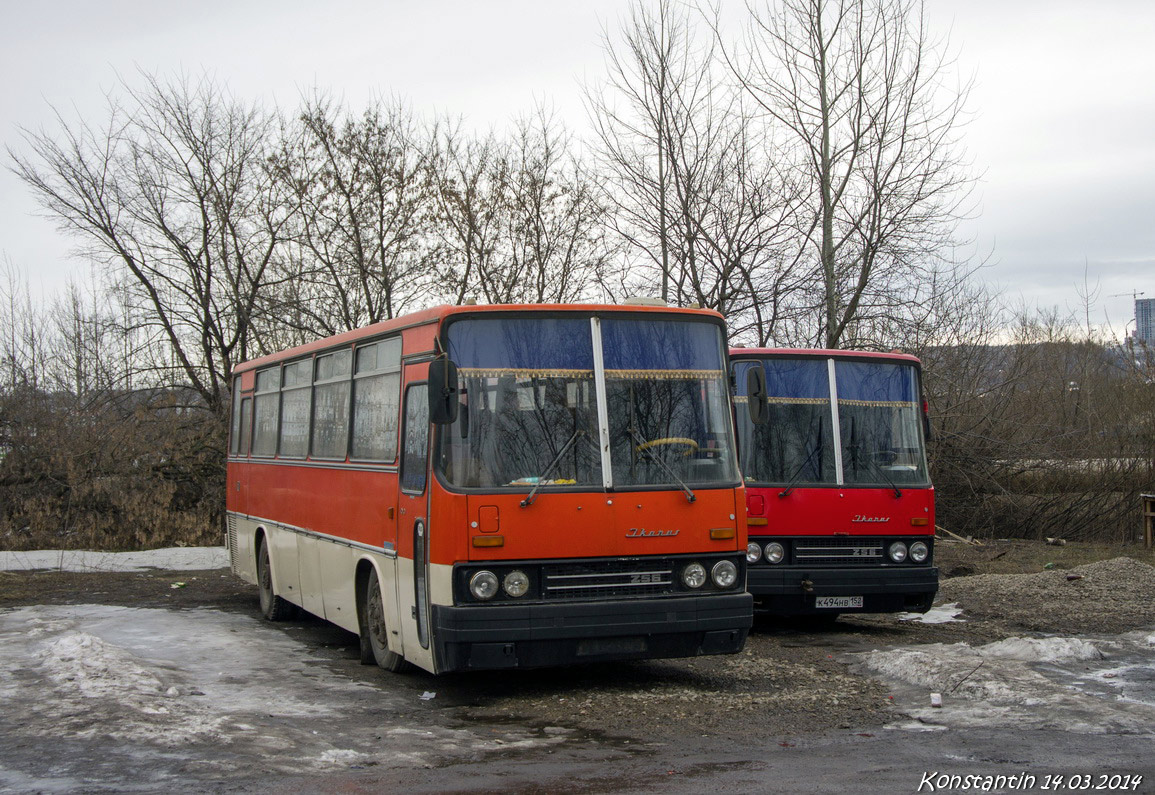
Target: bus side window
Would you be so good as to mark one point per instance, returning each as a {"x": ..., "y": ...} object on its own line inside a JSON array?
[
  {"x": 266, "y": 411},
  {"x": 243, "y": 431},
  {"x": 376, "y": 393},
  {"x": 415, "y": 453}
]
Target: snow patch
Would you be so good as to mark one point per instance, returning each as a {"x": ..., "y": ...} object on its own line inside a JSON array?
[
  {"x": 1051, "y": 650},
  {"x": 939, "y": 614},
  {"x": 1045, "y": 683},
  {"x": 171, "y": 559}
]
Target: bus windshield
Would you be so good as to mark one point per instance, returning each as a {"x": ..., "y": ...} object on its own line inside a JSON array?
[
  {"x": 529, "y": 403},
  {"x": 878, "y": 424}
]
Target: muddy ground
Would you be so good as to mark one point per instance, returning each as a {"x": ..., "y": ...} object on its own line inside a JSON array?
[{"x": 790, "y": 679}]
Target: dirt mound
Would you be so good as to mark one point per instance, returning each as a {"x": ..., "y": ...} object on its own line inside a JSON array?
[{"x": 1107, "y": 596}]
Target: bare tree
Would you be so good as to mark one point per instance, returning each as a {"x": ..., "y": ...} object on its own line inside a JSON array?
[
  {"x": 862, "y": 99},
  {"x": 700, "y": 206},
  {"x": 362, "y": 211},
  {"x": 519, "y": 219},
  {"x": 171, "y": 195}
]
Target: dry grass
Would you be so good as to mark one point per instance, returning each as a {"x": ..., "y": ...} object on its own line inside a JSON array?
[{"x": 1017, "y": 556}]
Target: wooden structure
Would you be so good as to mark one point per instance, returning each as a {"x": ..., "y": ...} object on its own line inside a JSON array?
[{"x": 1148, "y": 519}]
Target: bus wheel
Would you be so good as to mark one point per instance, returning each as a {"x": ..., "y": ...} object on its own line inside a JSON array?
[
  {"x": 273, "y": 607},
  {"x": 374, "y": 633}
]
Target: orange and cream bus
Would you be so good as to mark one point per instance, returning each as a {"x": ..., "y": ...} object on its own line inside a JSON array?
[{"x": 482, "y": 487}]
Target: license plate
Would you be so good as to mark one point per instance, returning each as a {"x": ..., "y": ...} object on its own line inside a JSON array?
[{"x": 837, "y": 602}]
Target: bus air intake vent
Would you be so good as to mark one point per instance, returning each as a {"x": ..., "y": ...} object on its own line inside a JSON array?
[
  {"x": 231, "y": 540},
  {"x": 611, "y": 579},
  {"x": 838, "y": 551}
]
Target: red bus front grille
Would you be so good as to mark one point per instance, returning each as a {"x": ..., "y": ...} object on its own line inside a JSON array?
[{"x": 838, "y": 551}]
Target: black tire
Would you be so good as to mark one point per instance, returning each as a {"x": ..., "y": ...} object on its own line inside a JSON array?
[
  {"x": 374, "y": 633},
  {"x": 273, "y": 607}
]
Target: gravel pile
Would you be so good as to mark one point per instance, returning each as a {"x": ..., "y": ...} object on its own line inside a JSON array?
[{"x": 1109, "y": 596}]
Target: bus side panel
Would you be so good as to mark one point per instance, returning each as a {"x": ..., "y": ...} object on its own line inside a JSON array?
[
  {"x": 341, "y": 502},
  {"x": 309, "y": 572},
  {"x": 406, "y": 601},
  {"x": 335, "y": 565},
  {"x": 283, "y": 557}
]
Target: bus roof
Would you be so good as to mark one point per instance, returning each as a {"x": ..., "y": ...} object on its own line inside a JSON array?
[
  {"x": 823, "y": 353},
  {"x": 439, "y": 314}
]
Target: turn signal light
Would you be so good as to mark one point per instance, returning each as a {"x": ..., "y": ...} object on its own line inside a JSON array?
[
  {"x": 919, "y": 521},
  {"x": 721, "y": 533},
  {"x": 489, "y": 541},
  {"x": 759, "y": 521}
]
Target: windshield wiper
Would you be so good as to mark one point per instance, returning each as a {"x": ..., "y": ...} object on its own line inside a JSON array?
[
  {"x": 798, "y": 473},
  {"x": 878, "y": 468},
  {"x": 642, "y": 447},
  {"x": 529, "y": 498}
]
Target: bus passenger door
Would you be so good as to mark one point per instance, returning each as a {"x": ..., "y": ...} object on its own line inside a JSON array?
[{"x": 412, "y": 524}]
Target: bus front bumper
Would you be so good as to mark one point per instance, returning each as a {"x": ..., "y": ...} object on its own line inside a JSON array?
[
  {"x": 480, "y": 637},
  {"x": 790, "y": 591}
]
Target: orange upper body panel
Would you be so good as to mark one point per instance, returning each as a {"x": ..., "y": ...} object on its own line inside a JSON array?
[{"x": 597, "y": 524}]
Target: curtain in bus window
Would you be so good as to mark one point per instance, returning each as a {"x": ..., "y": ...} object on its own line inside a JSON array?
[
  {"x": 667, "y": 401},
  {"x": 880, "y": 421},
  {"x": 796, "y": 444},
  {"x": 527, "y": 412}
]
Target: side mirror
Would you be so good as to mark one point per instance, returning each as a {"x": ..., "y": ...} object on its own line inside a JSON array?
[
  {"x": 443, "y": 391},
  {"x": 756, "y": 394}
]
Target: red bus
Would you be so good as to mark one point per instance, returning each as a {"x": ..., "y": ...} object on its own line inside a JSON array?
[
  {"x": 839, "y": 499},
  {"x": 482, "y": 487}
]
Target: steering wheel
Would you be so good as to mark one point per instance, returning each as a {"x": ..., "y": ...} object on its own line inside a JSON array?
[{"x": 690, "y": 445}]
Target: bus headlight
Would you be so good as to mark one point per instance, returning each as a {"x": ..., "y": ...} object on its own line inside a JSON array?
[
  {"x": 775, "y": 552},
  {"x": 516, "y": 583},
  {"x": 694, "y": 575},
  {"x": 483, "y": 585},
  {"x": 724, "y": 574},
  {"x": 918, "y": 552},
  {"x": 753, "y": 552},
  {"x": 897, "y": 552}
]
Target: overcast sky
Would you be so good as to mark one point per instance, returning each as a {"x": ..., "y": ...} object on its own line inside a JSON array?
[{"x": 1063, "y": 129}]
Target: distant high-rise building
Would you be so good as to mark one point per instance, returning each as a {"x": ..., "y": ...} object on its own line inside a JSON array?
[{"x": 1145, "y": 320}]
